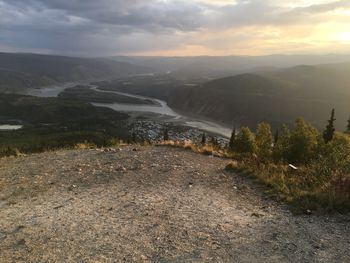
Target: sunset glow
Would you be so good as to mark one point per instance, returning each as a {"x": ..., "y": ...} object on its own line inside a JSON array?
[{"x": 173, "y": 27}]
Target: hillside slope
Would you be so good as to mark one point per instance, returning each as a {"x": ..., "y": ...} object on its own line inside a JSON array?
[
  {"x": 277, "y": 97},
  {"x": 153, "y": 204},
  {"x": 18, "y": 71}
]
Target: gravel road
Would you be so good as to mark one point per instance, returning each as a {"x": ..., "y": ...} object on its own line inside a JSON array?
[{"x": 151, "y": 204}]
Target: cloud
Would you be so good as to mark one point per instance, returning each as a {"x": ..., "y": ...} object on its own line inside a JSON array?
[{"x": 106, "y": 27}]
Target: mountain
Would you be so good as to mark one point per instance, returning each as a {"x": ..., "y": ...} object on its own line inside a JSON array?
[
  {"x": 221, "y": 66},
  {"x": 19, "y": 71},
  {"x": 277, "y": 97}
]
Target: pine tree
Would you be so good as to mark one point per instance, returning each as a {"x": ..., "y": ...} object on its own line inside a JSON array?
[
  {"x": 204, "y": 139},
  {"x": 281, "y": 147},
  {"x": 245, "y": 141},
  {"x": 166, "y": 134},
  {"x": 133, "y": 137},
  {"x": 213, "y": 141},
  {"x": 232, "y": 140},
  {"x": 276, "y": 137},
  {"x": 303, "y": 142},
  {"x": 348, "y": 126},
  {"x": 264, "y": 140},
  {"x": 329, "y": 132}
]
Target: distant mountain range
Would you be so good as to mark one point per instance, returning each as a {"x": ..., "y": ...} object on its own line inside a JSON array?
[
  {"x": 216, "y": 66},
  {"x": 276, "y": 88},
  {"x": 19, "y": 71},
  {"x": 277, "y": 96}
]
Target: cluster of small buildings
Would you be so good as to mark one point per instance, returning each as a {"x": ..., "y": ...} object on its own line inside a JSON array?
[{"x": 149, "y": 130}]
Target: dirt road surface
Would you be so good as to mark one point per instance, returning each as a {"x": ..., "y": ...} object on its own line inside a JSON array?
[{"x": 151, "y": 204}]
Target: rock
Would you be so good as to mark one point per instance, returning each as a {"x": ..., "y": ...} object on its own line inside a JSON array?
[
  {"x": 21, "y": 242},
  {"x": 58, "y": 207},
  {"x": 257, "y": 215},
  {"x": 215, "y": 245},
  {"x": 316, "y": 246},
  {"x": 308, "y": 212},
  {"x": 2, "y": 235},
  {"x": 122, "y": 168}
]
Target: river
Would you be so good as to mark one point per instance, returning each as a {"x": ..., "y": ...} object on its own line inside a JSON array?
[
  {"x": 50, "y": 91},
  {"x": 10, "y": 127},
  {"x": 160, "y": 107}
]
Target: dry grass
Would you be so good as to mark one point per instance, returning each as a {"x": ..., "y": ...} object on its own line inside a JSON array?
[
  {"x": 301, "y": 189},
  {"x": 84, "y": 146},
  {"x": 197, "y": 148}
]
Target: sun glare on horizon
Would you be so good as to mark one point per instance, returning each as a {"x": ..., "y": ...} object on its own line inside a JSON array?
[{"x": 344, "y": 37}]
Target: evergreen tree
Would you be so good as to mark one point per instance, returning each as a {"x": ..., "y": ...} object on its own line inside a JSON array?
[
  {"x": 245, "y": 141},
  {"x": 232, "y": 139},
  {"x": 281, "y": 147},
  {"x": 303, "y": 142},
  {"x": 213, "y": 141},
  {"x": 329, "y": 132},
  {"x": 166, "y": 134},
  {"x": 276, "y": 137},
  {"x": 348, "y": 126},
  {"x": 133, "y": 137},
  {"x": 264, "y": 140},
  {"x": 204, "y": 139}
]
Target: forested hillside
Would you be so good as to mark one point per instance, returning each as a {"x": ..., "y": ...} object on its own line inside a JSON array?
[{"x": 275, "y": 96}]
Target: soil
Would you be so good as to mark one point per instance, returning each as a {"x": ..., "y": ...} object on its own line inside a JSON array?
[{"x": 151, "y": 204}]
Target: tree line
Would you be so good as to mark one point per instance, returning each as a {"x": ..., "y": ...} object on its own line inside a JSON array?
[{"x": 298, "y": 145}]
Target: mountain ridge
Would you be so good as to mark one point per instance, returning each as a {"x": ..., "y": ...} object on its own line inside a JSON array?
[
  {"x": 19, "y": 71},
  {"x": 277, "y": 97}
]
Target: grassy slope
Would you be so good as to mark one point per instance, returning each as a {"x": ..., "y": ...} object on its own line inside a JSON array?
[{"x": 299, "y": 189}]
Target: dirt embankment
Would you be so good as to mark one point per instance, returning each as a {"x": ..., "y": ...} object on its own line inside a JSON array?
[{"x": 151, "y": 204}]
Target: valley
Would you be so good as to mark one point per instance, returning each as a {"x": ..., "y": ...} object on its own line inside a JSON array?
[
  {"x": 274, "y": 93},
  {"x": 153, "y": 110}
]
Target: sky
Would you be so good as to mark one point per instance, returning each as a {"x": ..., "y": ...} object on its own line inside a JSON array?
[{"x": 175, "y": 28}]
